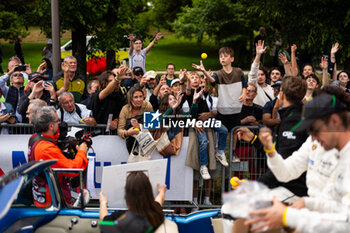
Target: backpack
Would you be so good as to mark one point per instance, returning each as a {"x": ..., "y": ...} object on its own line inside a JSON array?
[{"x": 77, "y": 109}]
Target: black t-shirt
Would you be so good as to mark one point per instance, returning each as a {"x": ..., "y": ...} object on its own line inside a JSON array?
[
  {"x": 202, "y": 102},
  {"x": 112, "y": 104},
  {"x": 128, "y": 222},
  {"x": 254, "y": 110}
]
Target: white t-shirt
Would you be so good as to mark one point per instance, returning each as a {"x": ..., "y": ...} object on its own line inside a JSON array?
[{"x": 138, "y": 59}]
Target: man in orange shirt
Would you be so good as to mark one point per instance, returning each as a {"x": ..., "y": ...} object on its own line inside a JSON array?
[{"x": 43, "y": 147}]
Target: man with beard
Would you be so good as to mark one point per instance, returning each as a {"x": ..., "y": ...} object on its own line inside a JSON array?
[{"x": 43, "y": 147}]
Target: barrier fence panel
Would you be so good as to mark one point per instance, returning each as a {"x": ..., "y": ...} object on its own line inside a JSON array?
[
  {"x": 251, "y": 166},
  {"x": 248, "y": 162},
  {"x": 23, "y": 128}
]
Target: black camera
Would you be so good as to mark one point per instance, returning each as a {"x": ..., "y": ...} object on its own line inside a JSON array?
[
  {"x": 21, "y": 68},
  {"x": 68, "y": 144}
]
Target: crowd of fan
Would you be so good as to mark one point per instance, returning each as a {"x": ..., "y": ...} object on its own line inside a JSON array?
[{"x": 119, "y": 98}]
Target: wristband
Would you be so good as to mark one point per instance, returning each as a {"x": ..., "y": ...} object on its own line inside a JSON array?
[
  {"x": 271, "y": 150},
  {"x": 188, "y": 89},
  {"x": 116, "y": 79},
  {"x": 104, "y": 203},
  {"x": 155, "y": 41},
  {"x": 182, "y": 83},
  {"x": 284, "y": 217},
  {"x": 253, "y": 140}
]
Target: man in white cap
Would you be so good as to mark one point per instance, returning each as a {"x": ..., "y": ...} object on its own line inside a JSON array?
[
  {"x": 47, "y": 51},
  {"x": 148, "y": 83}
]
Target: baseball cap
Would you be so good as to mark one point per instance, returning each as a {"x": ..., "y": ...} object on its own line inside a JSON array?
[
  {"x": 49, "y": 42},
  {"x": 320, "y": 106},
  {"x": 137, "y": 70},
  {"x": 35, "y": 75},
  {"x": 151, "y": 74},
  {"x": 277, "y": 84},
  {"x": 174, "y": 81}
]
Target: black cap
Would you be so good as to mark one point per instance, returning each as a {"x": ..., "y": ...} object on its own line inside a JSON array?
[
  {"x": 137, "y": 70},
  {"x": 35, "y": 75},
  {"x": 320, "y": 106}
]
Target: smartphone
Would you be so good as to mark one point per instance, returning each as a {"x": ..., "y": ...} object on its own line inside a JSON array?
[
  {"x": 21, "y": 68},
  {"x": 47, "y": 82}
]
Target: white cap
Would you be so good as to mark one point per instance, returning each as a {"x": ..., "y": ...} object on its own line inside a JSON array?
[
  {"x": 174, "y": 81},
  {"x": 151, "y": 74}
]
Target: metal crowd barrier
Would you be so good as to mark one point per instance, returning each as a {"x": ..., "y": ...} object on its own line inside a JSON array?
[
  {"x": 251, "y": 166},
  {"x": 22, "y": 128},
  {"x": 252, "y": 162}
]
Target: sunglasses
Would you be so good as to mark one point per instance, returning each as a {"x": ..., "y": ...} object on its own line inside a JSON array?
[{"x": 17, "y": 74}]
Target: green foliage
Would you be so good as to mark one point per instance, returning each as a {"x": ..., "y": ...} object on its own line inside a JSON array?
[
  {"x": 222, "y": 20},
  {"x": 313, "y": 25},
  {"x": 164, "y": 12}
]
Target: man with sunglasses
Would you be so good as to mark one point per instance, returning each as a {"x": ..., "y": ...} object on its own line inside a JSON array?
[
  {"x": 13, "y": 93},
  {"x": 327, "y": 120}
]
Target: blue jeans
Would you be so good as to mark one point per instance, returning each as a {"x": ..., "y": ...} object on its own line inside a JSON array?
[{"x": 203, "y": 142}]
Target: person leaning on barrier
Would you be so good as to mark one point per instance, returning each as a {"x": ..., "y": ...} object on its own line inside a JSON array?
[
  {"x": 292, "y": 92},
  {"x": 110, "y": 99},
  {"x": 73, "y": 113},
  {"x": 43, "y": 147},
  {"x": 132, "y": 114},
  {"x": 327, "y": 120}
]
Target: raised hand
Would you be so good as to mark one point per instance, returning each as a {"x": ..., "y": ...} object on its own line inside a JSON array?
[
  {"x": 283, "y": 58},
  {"x": 131, "y": 37},
  {"x": 335, "y": 48},
  {"x": 158, "y": 36},
  {"x": 28, "y": 69},
  {"x": 182, "y": 75},
  {"x": 260, "y": 49},
  {"x": 293, "y": 48},
  {"x": 199, "y": 67},
  {"x": 65, "y": 67},
  {"x": 196, "y": 94},
  {"x": 178, "y": 100},
  {"x": 324, "y": 63}
]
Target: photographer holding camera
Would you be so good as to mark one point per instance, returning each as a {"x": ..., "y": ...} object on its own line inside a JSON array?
[{"x": 43, "y": 147}]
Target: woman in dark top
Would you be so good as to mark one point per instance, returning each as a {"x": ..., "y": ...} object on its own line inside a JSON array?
[{"x": 143, "y": 208}]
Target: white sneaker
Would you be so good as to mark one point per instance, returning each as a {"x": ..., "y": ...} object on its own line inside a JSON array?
[
  {"x": 221, "y": 158},
  {"x": 205, "y": 173},
  {"x": 207, "y": 202}
]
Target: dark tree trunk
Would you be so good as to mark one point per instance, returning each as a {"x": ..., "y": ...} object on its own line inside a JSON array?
[
  {"x": 111, "y": 20},
  {"x": 346, "y": 65},
  {"x": 79, "y": 49}
]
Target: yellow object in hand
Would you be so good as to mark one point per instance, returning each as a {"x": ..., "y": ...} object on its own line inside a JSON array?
[
  {"x": 234, "y": 181},
  {"x": 137, "y": 129},
  {"x": 204, "y": 56}
]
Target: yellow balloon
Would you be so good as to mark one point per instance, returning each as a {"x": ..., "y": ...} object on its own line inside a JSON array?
[{"x": 204, "y": 56}]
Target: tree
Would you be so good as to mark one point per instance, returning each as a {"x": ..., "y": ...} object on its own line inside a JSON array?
[
  {"x": 223, "y": 21},
  {"x": 313, "y": 25},
  {"x": 164, "y": 12}
]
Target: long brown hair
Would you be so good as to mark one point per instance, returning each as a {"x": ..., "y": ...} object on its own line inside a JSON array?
[
  {"x": 131, "y": 93},
  {"x": 139, "y": 198}
]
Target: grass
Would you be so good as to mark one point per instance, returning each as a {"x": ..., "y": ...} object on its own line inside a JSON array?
[{"x": 182, "y": 52}]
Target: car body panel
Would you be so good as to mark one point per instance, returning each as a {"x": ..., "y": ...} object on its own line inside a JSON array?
[
  {"x": 60, "y": 218},
  {"x": 120, "y": 55}
]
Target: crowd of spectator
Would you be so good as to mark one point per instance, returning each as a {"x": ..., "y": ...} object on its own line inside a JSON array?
[{"x": 118, "y": 98}]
